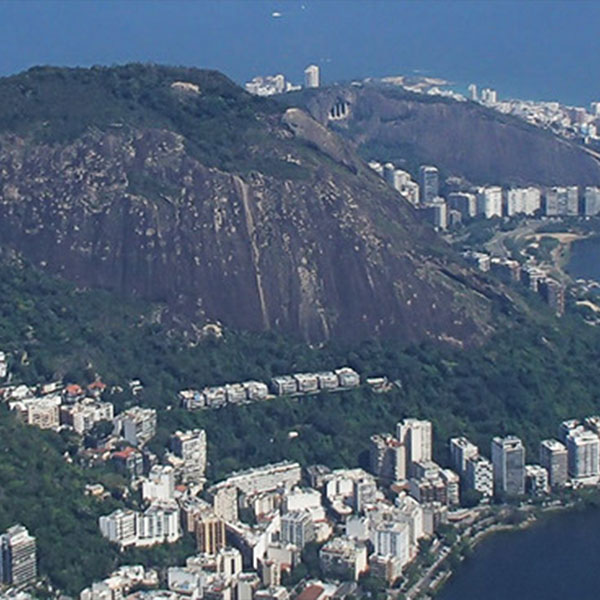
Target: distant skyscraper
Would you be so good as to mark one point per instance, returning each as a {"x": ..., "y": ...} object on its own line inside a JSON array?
[
  {"x": 429, "y": 181},
  {"x": 312, "y": 76},
  {"x": 489, "y": 96},
  {"x": 553, "y": 456},
  {"x": 508, "y": 459},
  {"x": 17, "y": 556},
  {"x": 473, "y": 92}
]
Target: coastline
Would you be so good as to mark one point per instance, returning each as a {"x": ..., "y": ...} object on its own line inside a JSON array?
[{"x": 467, "y": 543}]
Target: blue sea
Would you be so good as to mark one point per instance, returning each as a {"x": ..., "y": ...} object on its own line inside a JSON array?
[
  {"x": 584, "y": 262},
  {"x": 556, "y": 559},
  {"x": 527, "y": 48}
]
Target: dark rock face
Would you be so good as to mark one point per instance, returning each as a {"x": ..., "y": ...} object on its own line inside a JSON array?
[
  {"x": 462, "y": 139},
  {"x": 331, "y": 253}
]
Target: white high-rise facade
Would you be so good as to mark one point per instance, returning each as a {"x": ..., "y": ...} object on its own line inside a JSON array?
[
  {"x": 591, "y": 201},
  {"x": 429, "y": 183},
  {"x": 416, "y": 436},
  {"x": 392, "y": 539},
  {"x": 17, "y": 556},
  {"x": 523, "y": 201},
  {"x": 312, "y": 76},
  {"x": 583, "y": 449},
  {"x": 489, "y": 201},
  {"x": 479, "y": 475},
  {"x": 461, "y": 449},
  {"x": 508, "y": 459}
]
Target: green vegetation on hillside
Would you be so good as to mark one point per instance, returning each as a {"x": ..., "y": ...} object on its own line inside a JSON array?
[
  {"x": 222, "y": 125},
  {"x": 525, "y": 380}
]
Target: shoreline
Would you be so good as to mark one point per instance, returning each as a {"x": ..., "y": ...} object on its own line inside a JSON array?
[{"x": 471, "y": 542}]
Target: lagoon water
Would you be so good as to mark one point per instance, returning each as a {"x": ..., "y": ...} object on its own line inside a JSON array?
[
  {"x": 585, "y": 259},
  {"x": 557, "y": 558}
]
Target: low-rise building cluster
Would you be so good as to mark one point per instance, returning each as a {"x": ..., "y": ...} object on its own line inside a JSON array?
[
  {"x": 246, "y": 392},
  {"x": 531, "y": 276}
]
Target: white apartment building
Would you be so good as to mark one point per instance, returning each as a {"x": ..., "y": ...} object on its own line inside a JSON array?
[
  {"x": 562, "y": 201},
  {"x": 392, "y": 539},
  {"x": 461, "y": 450},
  {"x": 311, "y": 76},
  {"x": 138, "y": 425},
  {"x": 489, "y": 201},
  {"x": 416, "y": 436},
  {"x": 583, "y": 449},
  {"x": 160, "y": 484},
  {"x": 523, "y": 201},
  {"x": 297, "y": 528},
  {"x": 479, "y": 475}
]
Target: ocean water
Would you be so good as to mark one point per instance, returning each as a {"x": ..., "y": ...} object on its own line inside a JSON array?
[
  {"x": 585, "y": 259},
  {"x": 544, "y": 50},
  {"x": 557, "y": 558}
]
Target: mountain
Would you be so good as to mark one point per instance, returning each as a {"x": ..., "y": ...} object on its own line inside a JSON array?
[
  {"x": 174, "y": 185},
  {"x": 463, "y": 139}
]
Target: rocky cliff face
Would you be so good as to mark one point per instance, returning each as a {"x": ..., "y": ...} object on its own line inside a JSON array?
[
  {"x": 318, "y": 247},
  {"x": 461, "y": 138}
]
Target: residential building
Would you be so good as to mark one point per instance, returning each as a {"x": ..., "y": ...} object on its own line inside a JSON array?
[
  {"x": 284, "y": 385},
  {"x": 225, "y": 502},
  {"x": 566, "y": 427},
  {"x": 387, "y": 458},
  {"x": 269, "y": 477},
  {"x": 83, "y": 415},
  {"x": 297, "y": 528},
  {"x": 591, "y": 201},
  {"x": 583, "y": 449},
  {"x": 461, "y": 449},
  {"x": 311, "y": 76},
  {"x": 429, "y": 183},
  {"x": 210, "y": 533},
  {"x": 158, "y": 524},
  {"x": 472, "y": 89},
  {"x": 391, "y": 538},
  {"x": 138, "y": 425},
  {"x": 507, "y": 269},
  {"x": 531, "y": 276},
  {"x": 489, "y": 201},
  {"x": 479, "y": 476},
  {"x": 436, "y": 213},
  {"x": 42, "y": 412},
  {"x": 160, "y": 484},
  {"x": 523, "y": 201},
  {"x": 508, "y": 460},
  {"x": 553, "y": 293},
  {"x": 343, "y": 558},
  {"x": 416, "y": 436},
  {"x": 562, "y": 201},
  {"x": 18, "y": 563},
  {"x": 489, "y": 96},
  {"x": 464, "y": 203},
  {"x": 129, "y": 461},
  {"x": 190, "y": 447},
  {"x": 119, "y": 527},
  {"x": 554, "y": 457},
  {"x": 347, "y": 377},
  {"x": 536, "y": 480}
]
